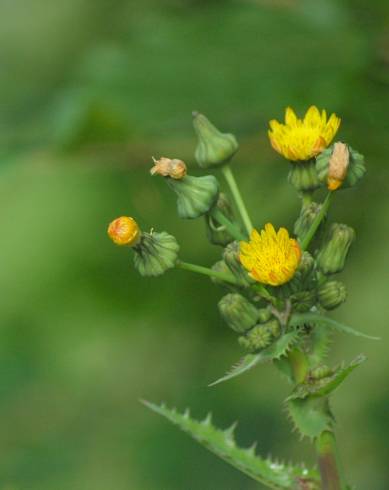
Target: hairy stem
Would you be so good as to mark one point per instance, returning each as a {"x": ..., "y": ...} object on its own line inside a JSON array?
[
  {"x": 231, "y": 227},
  {"x": 224, "y": 276},
  {"x": 330, "y": 468},
  {"x": 316, "y": 222},
  {"x": 229, "y": 176}
]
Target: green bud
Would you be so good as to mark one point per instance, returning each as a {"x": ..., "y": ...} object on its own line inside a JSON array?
[
  {"x": 264, "y": 315},
  {"x": 304, "y": 221},
  {"x": 304, "y": 300},
  {"x": 303, "y": 176},
  {"x": 238, "y": 312},
  {"x": 333, "y": 253},
  {"x": 155, "y": 253},
  {"x": 217, "y": 233},
  {"x": 231, "y": 258},
  {"x": 220, "y": 266},
  {"x": 195, "y": 195},
  {"x": 257, "y": 338},
  {"x": 304, "y": 277},
  {"x": 351, "y": 171},
  {"x": 332, "y": 294},
  {"x": 273, "y": 327},
  {"x": 213, "y": 148}
]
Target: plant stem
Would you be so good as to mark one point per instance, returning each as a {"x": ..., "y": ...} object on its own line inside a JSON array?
[
  {"x": 316, "y": 222},
  {"x": 223, "y": 276},
  {"x": 230, "y": 227},
  {"x": 330, "y": 468},
  {"x": 229, "y": 176}
]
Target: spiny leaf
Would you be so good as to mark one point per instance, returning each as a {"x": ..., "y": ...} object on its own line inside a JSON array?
[
  {"x": 298, "y": 319},
  {"x": 272, "y": 474},
  {"x": 326, "y": 385},
  {"x": 318, "y": 344},
  {"x": 310, "y": 416},
  {"x": 275, "y": 351}
]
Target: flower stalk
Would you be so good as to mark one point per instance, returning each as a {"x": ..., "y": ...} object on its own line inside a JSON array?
[
  {"x": 231, "y": 227},
  {"x": 206, "y": 271},
  {"x": 316, "y": 222}
]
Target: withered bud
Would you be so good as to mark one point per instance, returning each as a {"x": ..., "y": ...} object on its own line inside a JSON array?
[
  {"x": 337, "y": 166},
  {"x": 167, "y": 167}
]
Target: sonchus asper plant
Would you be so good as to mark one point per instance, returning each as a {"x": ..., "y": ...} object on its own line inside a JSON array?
[{"x": 278, "y": 286}]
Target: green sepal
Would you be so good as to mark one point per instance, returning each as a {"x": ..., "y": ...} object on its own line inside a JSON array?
[
  {"x": 276, "y": 350},
  {"x": 310, "y": 416},
  {"x": 195, "y": 195},
  {"x": 301, "y": 319},
  {"x": 272, "y": 474},
  {"x": 326, "y": 385},
  {"x": 303, "y": 176}
]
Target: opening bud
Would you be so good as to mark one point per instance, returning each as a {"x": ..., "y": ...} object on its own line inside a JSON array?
[
  {"x": 238, "y": 312},
  {"x": 332, "y": 294},
  {"x": 340, "y": 166},
  {"x": 213, "y": 148},
  {"x": 216, "y": 232},
  {"x": 124, "y": 231},
  {"x": 307, "y": 215},
  {"x": 167, "y": 167},
  {"x": 231, "y": 256},
  {"x": 195, "y": 195},
  {"x": 155, "y": 253},
  {"x": 303, "y": 176},
  {"x": 332, "y": 255}
]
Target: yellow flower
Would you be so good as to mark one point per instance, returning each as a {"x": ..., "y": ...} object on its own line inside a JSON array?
[
  {"x": 270, "y": 257},
  {"x": 302, "y": 139},
  {"x": 124, "y": 231}
]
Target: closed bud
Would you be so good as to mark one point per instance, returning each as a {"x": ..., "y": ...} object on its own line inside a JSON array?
[
  {"x": 155, "y": 253},
  {"x": 340, "y": 166},
  {"x": 256, "y": 339},
  {"x": 238, "y": 312},
  {"x": 304, "y": 221},
  {"x": 124, "y": 231},
  {"x": 216, "y": 232},
  {"x": 304, "y": 277},
  {"x": 303, "y": 301},
  {"x": 231, "y": 257},
  {"x": 332, "y": 294},
  {"x": 195, "y": 195},
  {"x": 336, "y": 244},
  {"x": 264, "y": 315},
  {"x": 220, "y": 266},
  {"x": 167, "y": 167},
  {"x": 303, "y": 176},
  {"x": 213, "y": 148},
  {"x": 321, "y": 372}
]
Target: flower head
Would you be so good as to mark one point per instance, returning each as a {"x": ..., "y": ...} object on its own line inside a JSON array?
[
  {"x": 303, "y": 139},
  {"x": 270, "y": 257},
  {"x": 124, "y": 231}
]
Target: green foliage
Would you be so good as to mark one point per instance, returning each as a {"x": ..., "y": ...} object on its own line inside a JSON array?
[
  {"x": 275, "y": 351},
  {"x": 310, "y": 416},
  {"x": 272, "y": 474}
]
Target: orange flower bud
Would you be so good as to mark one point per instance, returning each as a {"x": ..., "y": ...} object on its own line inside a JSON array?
[
  {"x": 124, "y": 231},
  {"x": 167, "y": 167}
]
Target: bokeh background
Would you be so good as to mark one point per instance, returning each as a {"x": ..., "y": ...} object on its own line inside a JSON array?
[{"x": 89, "y": 91}]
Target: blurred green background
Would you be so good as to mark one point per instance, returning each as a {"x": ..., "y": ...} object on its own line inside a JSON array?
[{"x": 89, "y": 91}]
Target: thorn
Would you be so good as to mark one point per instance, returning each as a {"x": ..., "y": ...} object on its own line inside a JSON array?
[
  {"x": 251, "y": 450},
  {"x": 229, "y": 433},
  {"x": 186, "y": 414},
  {"x": 208, "y": 419}
]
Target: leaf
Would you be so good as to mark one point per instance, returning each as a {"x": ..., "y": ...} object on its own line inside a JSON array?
[
  {"x": 298, "y": 319},
  {"x": 270, "y": 473},
  {"x": 319, "y": 341},
  {"x": 275, "y": 351},
  {"x": 325, "y": 386},
  {"x": 310, "y": 416}
]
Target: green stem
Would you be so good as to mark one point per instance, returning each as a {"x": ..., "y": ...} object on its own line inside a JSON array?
[
  {"x": 316, "y": 222},
  {"x": 233, "y": 230},
  {"x": 206, "y": 271},
  {"x": 229, "y": 176},
  {"x": 330, "y": 469}
]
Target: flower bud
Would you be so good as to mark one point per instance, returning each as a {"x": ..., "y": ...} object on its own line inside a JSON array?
[
  {"x": 217, "y": 233},
  {"x": 336, "y": 244},
  {"x": 303, "y": 176},
  {"x": 220, "y": 266},
  {"x": 340, "y": 166},
  {"x": 124, "y": 231},
  {"x": 303, "y": 223},
  {"x": 167, "y": 167},
  {"x": 231, "y": 258},
  {"x": 304, "y": 277},
  {"x": 155, "y": 253},
  {"x": 260, "y": 336},
  {"x": 264, "y": 315},
  {"x": 238, "y": 312},
  {"x": 332, "y": 294},
  {"x": 213, "y": 148},
  {"x": 321, "y": 372},
  {"x": 195, "y": 195},
  {"x": 303, "y": 300}
]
